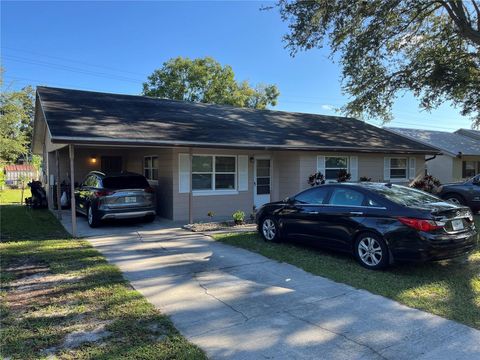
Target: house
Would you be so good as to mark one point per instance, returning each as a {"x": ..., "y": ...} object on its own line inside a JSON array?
[
  {"x": 460, "y": 157},
  {"x": 15, "y": 174},
  {"x": 203, "y": 157}
]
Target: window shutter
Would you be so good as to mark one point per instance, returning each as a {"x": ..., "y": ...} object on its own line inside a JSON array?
[
  {"x": 412, "y": 171},
  {"x": 321, "y": 164},
  {"x": 242, "y": 173},
  {"x": 183, "y": 173},
  {"x": 386, "y": 168},
  {"x": 354, "y": 168}
]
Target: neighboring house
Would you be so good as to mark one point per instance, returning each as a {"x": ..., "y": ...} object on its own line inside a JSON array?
[
  {"x": 14, "y": 174},
  {"x": 460, "y": 157},
  {"x": 203, "y": 157}
]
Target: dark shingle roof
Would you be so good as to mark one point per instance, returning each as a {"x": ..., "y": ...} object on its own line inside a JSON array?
[
  {"x": 75, "y": 116},
  {"x": 474, "y": 134},
  {"x": 452, "y": 143}
]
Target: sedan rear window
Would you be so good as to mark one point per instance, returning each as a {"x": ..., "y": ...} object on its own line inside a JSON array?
[
  {"x": 405, "y": 196},
  {"x": 125, "y": 182}
]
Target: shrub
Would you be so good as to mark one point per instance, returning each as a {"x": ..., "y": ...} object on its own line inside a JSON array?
[
  {"x": 238, "y": 216},
  {"x": 343, "y": 176},
  {"x": 210, "y": 214},
  {"x": 316, "y": 179},
  {"x": 428, "y": 183},
  {"x": 365, "y": 179}
]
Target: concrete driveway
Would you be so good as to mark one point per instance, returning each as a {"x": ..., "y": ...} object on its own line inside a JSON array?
[{"x": 239, "y": 305}]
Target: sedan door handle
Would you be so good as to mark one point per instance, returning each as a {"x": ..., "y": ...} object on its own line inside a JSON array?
[
  {"x": 356, "y": 213},
  {"x": 312, "y": 212}
]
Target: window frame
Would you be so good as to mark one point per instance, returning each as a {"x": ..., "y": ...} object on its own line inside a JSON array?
[
  {"x": 346, "y": 168},
  {"x": 407, "y": 163},
  {"x": 151, "y": 166},
  {"x": 476, "y": 168},
  {"x": 213, "y": 174}
]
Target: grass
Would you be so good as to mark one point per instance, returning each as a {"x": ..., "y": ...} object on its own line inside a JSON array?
[
  {"x": 67, "y": 287},
  {"x": 450, "y": 289},
  {"x": 12, "y": 196}
]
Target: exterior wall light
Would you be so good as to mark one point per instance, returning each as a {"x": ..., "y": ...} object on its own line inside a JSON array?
[{"x": 93, "y": 159}]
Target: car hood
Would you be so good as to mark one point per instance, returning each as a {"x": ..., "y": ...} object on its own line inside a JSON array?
[{"x": 458, "y": 183}]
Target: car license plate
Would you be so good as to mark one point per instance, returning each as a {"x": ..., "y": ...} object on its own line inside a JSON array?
[
  {"x": 130, "y": 199},
  {"x": 457, "y": 224}
]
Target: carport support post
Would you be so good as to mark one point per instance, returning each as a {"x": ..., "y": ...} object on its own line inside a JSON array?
[
  {"x": 59, "y": 205},
  {"x": 190, "y": 195},
  {"x": 72, "y": 190}
]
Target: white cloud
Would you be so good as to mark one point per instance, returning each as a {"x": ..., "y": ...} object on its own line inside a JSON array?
[{"x": 328, "y": 107}]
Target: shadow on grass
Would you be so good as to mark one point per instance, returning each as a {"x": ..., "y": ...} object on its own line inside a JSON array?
[
  {"x": 74, "y": 290},
  {"x": 450, "y": 288}
]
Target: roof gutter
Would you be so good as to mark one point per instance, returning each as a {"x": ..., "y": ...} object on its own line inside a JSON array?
[{"x": 102, "y": 141}]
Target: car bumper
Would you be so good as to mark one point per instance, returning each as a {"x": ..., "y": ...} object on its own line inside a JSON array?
[
  {"x": 428, "y": 247},
  {"x": 125, "y": 214}
]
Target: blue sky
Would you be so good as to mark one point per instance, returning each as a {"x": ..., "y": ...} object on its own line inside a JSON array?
[{"x": 114, "y": 46}]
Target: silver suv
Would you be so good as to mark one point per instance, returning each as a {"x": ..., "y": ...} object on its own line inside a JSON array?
[{"x": 115, "y": 196}]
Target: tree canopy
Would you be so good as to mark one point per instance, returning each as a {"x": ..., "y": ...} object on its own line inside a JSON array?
[
  {"x": 207, "y": 81},
  {"x": 387, "y": 47},
  {"x": 16, "y": 110}
]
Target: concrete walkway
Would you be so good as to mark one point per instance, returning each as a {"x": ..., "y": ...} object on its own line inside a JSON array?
[{"x": 239, "y": 305}]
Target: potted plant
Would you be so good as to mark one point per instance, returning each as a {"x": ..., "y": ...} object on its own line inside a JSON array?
[
  {"x": 316, "y": 179},
  {"x": 343, "y": 176},
  {"x": 238, "y": 217}
]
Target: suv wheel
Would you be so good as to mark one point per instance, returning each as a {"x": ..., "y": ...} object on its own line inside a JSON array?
[
  {"x": 92, "y": 217},
  {"x": 371, "y": 251},
  {"x": 455, "y": 199}
]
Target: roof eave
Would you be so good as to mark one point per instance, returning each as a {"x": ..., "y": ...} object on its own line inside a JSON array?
[{"x": 164, "y": 143}]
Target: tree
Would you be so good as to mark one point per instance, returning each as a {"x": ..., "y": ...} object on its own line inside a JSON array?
[
  {"x": 16, "y": 110},
  {"x": 207, "y": 81},
  {"x": 386, "y": 47}
]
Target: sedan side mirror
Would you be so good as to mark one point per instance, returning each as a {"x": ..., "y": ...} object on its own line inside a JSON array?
[{"x": 289, "y": 200}]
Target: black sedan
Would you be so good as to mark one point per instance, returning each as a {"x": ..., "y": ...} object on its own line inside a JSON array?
[
  {"x": 463, "y": 193},
  {"x": 377, "y": 223}
]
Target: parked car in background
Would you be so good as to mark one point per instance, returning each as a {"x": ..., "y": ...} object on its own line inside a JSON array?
[
  {"x": 115, "y": 196},
  {"x": 378, "y": 223},
  {"x": 463, "y": 193}
]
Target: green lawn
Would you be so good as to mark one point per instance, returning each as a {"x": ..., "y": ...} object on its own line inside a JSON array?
[
  {"x": 55, "y": 289},
  {"x": 449, "y": 288},
  {"x": 12, "y": 196}
]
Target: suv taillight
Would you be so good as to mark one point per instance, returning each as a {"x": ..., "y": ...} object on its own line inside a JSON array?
[
  {"x": 149, "y": 190},
  {"x": 101, "y": 193},
  {"x": 420, "y": 224}
]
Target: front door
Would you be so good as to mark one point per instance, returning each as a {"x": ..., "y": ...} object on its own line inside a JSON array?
[{"x": 262, "y": 181}]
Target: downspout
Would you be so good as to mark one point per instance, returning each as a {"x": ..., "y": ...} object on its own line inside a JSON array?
[{"x": 428, "y": 159}]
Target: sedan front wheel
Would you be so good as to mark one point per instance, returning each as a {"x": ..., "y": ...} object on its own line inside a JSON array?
[
  {"x": 371, "y": 251},
  {"x": 269, "y": 230}
]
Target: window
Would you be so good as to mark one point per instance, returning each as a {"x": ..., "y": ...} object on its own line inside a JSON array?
[
  {"x": 213, "y": 172},
  {"x": 404, "y": 195},
  {"x": 150, "y": 167},
  {"x": 312, "y": 196},
  {"x": 333, "y": 164},
  {"x": 398, "y": 168},
  {"x": 346, "y": 197},
  {"x": 470, "y": 168}
]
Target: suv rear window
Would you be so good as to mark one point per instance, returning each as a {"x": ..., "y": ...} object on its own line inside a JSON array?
[
  {"x": 125, "y": 182},
  {"x": 405, "y": 196}
]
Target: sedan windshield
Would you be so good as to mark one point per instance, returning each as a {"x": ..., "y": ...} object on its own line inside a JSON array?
[{"x": 405, "y": 196}]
